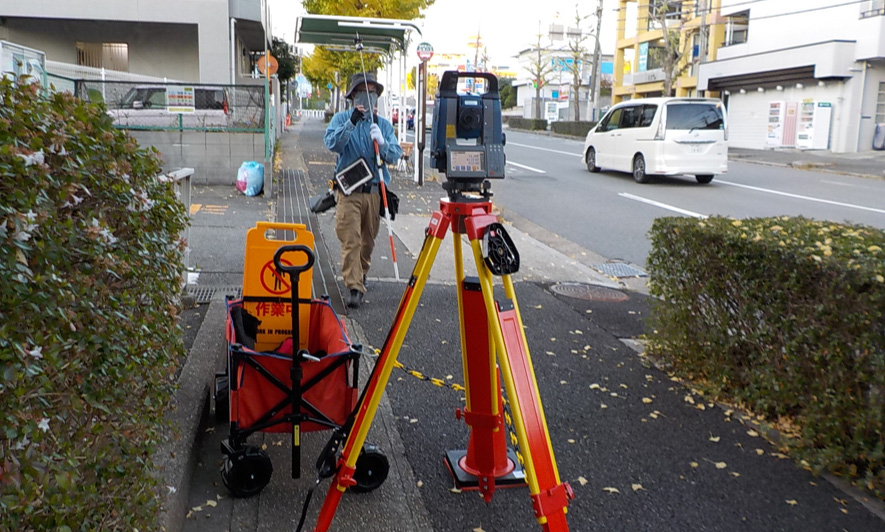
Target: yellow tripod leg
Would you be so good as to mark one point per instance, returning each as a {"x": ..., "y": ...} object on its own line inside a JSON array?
[
  {"x": 375, "y": 387},
  {"x": 549, "y": 496}
]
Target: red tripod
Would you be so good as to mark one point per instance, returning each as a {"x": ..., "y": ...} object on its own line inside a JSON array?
[{"x": 491, "y": 337}]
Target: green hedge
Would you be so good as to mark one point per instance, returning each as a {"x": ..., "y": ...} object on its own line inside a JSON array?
[
  {"x": 527, "y": 123},
  {"x": 785, "y": 316},
  {"x": 574, "y": 129},
  {"x": 90, "y": 258}
]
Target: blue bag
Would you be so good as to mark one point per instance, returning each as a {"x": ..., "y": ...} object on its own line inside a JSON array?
[{"x": 252, "y": 173}]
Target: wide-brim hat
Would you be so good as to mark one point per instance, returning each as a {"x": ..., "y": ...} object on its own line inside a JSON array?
[{"x": 359, "y": 79}]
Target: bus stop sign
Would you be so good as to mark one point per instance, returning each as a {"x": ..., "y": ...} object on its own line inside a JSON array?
[{"x": 425, "y": 51}]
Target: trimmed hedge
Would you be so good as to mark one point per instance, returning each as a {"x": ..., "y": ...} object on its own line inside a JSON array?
[
  {"x": 533, "y": 124},
  {"x": 90, "y": 257},
  {"x": 785, "y": 316},
  {"x": 574, "y": 129}
]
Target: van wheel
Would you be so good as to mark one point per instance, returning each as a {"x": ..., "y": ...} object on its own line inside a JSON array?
[
  {"x": 590, "y": 159},
  {"x": 704, "y": 178},
  {"x": 639, "y": 169}
]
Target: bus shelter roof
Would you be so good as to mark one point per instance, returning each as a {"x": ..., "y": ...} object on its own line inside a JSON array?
[{"x": 377, "y": 35}]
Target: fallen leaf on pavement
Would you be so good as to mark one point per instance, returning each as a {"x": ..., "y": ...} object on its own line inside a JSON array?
[
  {"x": 753, "y": 433},
  {"x": 582, "y": 481},
  {"x": 760, "y": 452},
  {"x": 611, "y": 490},
  {"x": 720, "y": 465},
  {"x": 715, "y": 439},
  {"x": 646, "y": 400},
  {"x": 694, "y": 464},
  {"x": 211, "y": 503},
  {"x": 792, "y": 502},
  {"x": 637, "y": 487}
]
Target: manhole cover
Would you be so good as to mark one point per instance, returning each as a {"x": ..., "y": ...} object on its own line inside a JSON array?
[{"x": 588, "y": 292}]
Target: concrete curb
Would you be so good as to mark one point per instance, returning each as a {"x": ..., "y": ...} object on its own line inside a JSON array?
[{"x": 188, "y": 413}]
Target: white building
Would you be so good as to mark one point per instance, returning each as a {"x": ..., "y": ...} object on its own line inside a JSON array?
[
  {"x": 783, "y": 60},
  {"x": 207, "y": 41}
]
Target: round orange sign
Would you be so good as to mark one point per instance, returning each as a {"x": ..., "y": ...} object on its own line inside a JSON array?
[{"x": 272, "y": 63}]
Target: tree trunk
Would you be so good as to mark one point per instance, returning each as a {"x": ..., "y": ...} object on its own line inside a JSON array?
[{"x": 538, "y": 102}]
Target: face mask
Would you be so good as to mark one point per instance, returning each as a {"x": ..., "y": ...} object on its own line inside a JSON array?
[{"x": 366, "y": 99}]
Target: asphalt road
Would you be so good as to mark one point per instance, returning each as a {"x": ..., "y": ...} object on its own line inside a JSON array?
[{"x": 611, "y": 214}]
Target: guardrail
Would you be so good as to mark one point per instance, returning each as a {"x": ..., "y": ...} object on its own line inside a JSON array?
[{"x": 310, "y": 113}]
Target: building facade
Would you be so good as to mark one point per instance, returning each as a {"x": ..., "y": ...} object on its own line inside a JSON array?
[
  {"x": 648, "y": 30},
  {"x": 807, "y": 74},
  {"x": 205, "y": 41}
]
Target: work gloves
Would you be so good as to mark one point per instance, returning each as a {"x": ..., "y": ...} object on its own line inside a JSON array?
[
  {"x": 356, "y": 116},
  {"x": 375, "y": 132}
]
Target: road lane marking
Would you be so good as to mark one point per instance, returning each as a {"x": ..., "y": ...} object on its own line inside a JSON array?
[
  {"x": 807, "y": 198},
  {"x": 544, "y": 149},
  {"x": 526, "y": 167},
  {"x": 662, "y": 205}
]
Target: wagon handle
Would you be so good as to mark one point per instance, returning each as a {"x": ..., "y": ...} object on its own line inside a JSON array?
[{"x": 295, "y": 372}]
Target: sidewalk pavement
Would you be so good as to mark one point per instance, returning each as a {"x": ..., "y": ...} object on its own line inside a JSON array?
[{"x": 678, "y": 462}]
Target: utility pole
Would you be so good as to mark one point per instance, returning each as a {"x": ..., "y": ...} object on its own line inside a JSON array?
[
  {"x": 597, "y": 68},
  {"x": 702, "y": 41}
]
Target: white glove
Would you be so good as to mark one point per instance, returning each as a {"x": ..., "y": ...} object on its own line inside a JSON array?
[{"x": 375, "y": 132}]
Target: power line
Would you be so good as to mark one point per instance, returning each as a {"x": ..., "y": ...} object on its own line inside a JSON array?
[{"x": 798, "y": 12}]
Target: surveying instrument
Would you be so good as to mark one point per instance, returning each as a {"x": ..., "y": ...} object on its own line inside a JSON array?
[{"x": 468, "y": 147}]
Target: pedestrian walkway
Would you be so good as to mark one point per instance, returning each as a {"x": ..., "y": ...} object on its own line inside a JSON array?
[{"x": 641, "y": 451}]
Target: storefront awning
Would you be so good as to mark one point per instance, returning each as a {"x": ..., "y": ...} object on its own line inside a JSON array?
[{"x": 378, "y": 35}]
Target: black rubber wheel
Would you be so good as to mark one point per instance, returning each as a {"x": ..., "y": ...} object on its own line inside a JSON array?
[
  {"x": 246, "y": 472},
  {"x": 639, "y": 174},
  {"x": 590, "y": 159},
  {"x": 372, "y": 467},
  {"x": 704, "y": 178},
  {"x": 222, "y": 399}
]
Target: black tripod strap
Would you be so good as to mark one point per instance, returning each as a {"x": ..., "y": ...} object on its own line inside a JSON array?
[{"x": 307, "y": 504}]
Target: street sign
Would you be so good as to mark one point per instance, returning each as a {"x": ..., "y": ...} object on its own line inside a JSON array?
[
  {"x": 425, "y": 51},
  {"x": 271, "y": 62}
]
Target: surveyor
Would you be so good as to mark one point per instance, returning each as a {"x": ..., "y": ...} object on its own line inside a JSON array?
[{"x": 353, "y": 134}]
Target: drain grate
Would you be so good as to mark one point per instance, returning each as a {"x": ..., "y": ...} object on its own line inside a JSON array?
[
  {"x": 204, "y": 294},
  {"x": 619, "y": 269},
  {"x": 588, "y": 292}
]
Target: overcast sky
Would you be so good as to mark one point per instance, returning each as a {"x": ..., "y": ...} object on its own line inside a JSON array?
[{"x": 506, "y": 26}]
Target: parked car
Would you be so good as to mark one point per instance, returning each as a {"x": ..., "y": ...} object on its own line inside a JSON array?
[
  {"x": 394, "y": 117},
  {"x": 146, "y": 105},
  {"x": 661, "y": 136}
]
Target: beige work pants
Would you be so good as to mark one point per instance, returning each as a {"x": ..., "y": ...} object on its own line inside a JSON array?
[{"x": 356, "y": 224}]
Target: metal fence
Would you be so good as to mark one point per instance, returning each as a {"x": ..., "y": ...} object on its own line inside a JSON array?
[{"x": 154, "y": 105}]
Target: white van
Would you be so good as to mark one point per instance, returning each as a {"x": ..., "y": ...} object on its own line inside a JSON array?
[{"x": 661, "y": 136}]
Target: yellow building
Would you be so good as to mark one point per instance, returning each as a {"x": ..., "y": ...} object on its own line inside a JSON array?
[{"x": 693, "y": 26}]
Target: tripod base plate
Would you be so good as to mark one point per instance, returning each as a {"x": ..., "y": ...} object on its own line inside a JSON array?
[{"x": 467, "y": 482}]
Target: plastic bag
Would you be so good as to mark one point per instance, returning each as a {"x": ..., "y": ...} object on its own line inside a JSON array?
[{"x": 250, "y": 178}]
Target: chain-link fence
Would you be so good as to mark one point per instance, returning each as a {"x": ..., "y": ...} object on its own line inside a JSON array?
[{"x": 176, "y": 106}]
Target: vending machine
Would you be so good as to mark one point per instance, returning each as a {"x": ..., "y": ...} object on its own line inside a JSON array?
[
  {"x": 776, "y": 112},
  {"x": 813, "y": 132}
]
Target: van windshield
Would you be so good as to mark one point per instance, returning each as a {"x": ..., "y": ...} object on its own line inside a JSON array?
[{"x": 695, "y": 116}]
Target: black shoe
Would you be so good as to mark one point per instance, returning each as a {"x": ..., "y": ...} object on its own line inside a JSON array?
[{"x": 356, "y": 297}]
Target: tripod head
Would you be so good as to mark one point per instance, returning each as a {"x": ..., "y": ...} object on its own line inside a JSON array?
[{"x": 468, "y": 191}]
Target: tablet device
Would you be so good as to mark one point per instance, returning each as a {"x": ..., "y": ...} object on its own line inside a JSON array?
[{"x": 354, "y": 176}]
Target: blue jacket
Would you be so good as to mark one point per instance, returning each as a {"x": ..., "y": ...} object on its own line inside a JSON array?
[{"x": 351, "y": 142}]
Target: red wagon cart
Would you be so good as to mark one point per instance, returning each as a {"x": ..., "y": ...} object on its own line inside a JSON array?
[{"x": 291, "y": 366}]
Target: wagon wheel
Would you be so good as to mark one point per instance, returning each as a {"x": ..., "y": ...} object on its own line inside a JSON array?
[
  {"x": 372, "y": 467},
  {"x": 246, "y": 472}
]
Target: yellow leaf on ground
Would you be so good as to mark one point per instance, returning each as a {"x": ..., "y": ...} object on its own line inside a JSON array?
[
  {"x": 732, "y": 473},
  {"x": 478, "y": 529},
  {"x": 694, "y": 464},
  {"x": 611, "y": 490},
  {"x": 760, "y": 452},
  {"x": 550, "y": 353},
  {"x": 646, "y": 400},
  {"x": 594, "y": 386},
  {"x": 582, "y": 481},
  {"x": 570, "y": 440},
  {"x": 197, "y": 509},
  {"x": 454, "y": 490},
  {"x": 420, "y": 483},
  {"x": 715, "y": 439},
  {"x": 563, "y": 382},
  {"x": 720, "y": 465},
  {"x": 689, "y": 399},
  {"x": 753, "y": 433},
  {"x": 211, "y": 503},
  {"x": 792, "y": 502},
  {"x": 637, "y": 487},
  {"x": 603, "y": 406}
]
